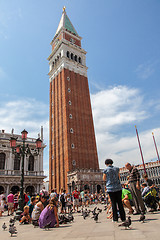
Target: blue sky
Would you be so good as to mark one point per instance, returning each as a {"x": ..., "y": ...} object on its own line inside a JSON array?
[{"x": 122, "y": 40}]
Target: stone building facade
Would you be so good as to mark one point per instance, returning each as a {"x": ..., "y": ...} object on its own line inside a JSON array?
[
  {"x": 10, "y": 166},
  {"x": 152, "y": 169},
  {"x": 86, "y": 179},
  {"x": 72, "y": 142}
]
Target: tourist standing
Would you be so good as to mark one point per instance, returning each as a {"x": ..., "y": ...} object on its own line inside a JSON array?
[
  {"x": 134, "y": 182},
  {"x": 114, "y": 189},
  {"x": 53, "y": 193},
  {"x": 15, "y": 201},
  {"x": 62, "y": 199},
  {"x": 10, "y": 203},
  {"x": 75, "y": 195}
]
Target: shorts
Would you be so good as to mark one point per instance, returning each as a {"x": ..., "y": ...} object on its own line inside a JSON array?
[
  {"x": 76, "y": 202},
  {"x": 10, "y": 205}
]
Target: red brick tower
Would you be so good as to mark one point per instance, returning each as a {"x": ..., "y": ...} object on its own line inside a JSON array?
[{"x": 72, "y": 142}]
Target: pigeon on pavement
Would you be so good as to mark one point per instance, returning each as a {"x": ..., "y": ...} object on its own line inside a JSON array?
[
  {"x": 142, "y": 218},
  {"x": 12, "y": 229},
  {"x": 4, "y": 226},
  {"x": 126, "y": 223}
]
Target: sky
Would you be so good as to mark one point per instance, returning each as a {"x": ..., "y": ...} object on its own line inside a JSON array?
[{"x": 122, "y": 40}]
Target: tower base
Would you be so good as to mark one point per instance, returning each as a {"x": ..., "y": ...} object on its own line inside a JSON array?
[{"x": 86, "y": 179}]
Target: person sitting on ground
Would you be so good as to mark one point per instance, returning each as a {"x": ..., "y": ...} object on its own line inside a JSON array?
[
  {"x": 149, "y": 197},
  {"x": 38, "y": 208},
  {"x": 127, "y": 199},
  {"x": 145, "y": 189},
  {"x": 31, "y": 205},
  {"x": 49, "y": 215},
  {"x": 25, "y": 218},
  {"x": 151, "y": 185}
]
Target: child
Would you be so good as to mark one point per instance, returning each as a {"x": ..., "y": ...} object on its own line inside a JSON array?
[{"x": 25, "y": 218}]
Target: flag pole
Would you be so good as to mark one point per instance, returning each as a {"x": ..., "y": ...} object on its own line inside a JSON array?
[
  {"x": 155, "y": 146},
  {"x": 140, "y": 149}
]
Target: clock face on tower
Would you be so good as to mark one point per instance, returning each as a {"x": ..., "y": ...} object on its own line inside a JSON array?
[
  {"x": 72, "y": 40},
  {"x": 74, "y": 162}
]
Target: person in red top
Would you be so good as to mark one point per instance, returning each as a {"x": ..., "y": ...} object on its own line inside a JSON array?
[
  {"x": 10, "y": 203},
  {"x": 75, "y": 195}
]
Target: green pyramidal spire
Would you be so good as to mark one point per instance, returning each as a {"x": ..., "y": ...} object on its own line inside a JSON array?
[{"x": 66, "y": 23}]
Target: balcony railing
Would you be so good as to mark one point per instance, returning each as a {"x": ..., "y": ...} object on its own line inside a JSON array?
[{"x": 18, "y": 173}]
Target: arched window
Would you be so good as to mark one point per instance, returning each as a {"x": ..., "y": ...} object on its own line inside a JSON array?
[
  {"x": 31, "y": 163},
  {"x": 72, "y": 56},
  {"x": 75, "y": 58},
  {"x": 79, "y": 60},
  {"x": 2, "y": 160},
  {"x": 17, "y": 163},
  {"x": 68, "y": 54}
]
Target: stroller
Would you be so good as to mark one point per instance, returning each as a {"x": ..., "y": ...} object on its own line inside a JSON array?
[{"x": 150, "y": 199}]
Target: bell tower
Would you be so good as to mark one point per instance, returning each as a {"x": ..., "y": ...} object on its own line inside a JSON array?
[{"x": 72, "y": 143}]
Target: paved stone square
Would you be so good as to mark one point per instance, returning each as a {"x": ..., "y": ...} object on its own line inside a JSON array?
[{"x": 87, "y": 229}]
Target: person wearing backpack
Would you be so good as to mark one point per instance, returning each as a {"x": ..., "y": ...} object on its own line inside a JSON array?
[{"x": 62, "y": 200}]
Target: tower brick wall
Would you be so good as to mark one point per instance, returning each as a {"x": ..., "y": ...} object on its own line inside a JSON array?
[{"x": 72, "y": 142}]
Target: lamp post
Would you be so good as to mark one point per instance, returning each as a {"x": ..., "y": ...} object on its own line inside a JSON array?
[{"x": 22, "y": 151}]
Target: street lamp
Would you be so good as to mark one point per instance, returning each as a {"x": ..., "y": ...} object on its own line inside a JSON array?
[{"x": 21, "y": 151}]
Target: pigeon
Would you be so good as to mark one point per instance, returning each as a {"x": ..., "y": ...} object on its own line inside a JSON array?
[
  {"x": 142, "y": 218},
  {"x": 85, "y": 215},
  {"x": 4, "y": 226},
  {"x": 96, "y": 217},
  {"x": 47, "y": 226},
  {"x": 70, "y": 217},
  {"x": 94, "y": 211},
  {"x": 12, "y": 220},
  {"x": 126, "y": 223},
  {"x": 35, "y": 223},
  {"x": 100, "y": 210},
  {"x": 12, "y": 230}
]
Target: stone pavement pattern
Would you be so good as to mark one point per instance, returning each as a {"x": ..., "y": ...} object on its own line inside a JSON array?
[{"x": 87, "y": 229}]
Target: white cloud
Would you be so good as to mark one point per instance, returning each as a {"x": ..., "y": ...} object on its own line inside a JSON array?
[
  {"x": 114, "y": 111},
  {"x": 117, "y": 106},
  {"x": 145, "y": 70},
  {"x": 24, "y": 113}
]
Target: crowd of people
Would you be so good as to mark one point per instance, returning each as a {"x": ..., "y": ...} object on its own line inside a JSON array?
[
  {"x": 137, "y": 198},
  {"x": 44, "y": 207}
]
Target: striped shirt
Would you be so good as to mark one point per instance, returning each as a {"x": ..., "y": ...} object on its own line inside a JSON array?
[{"x": 134, "y": 175}]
